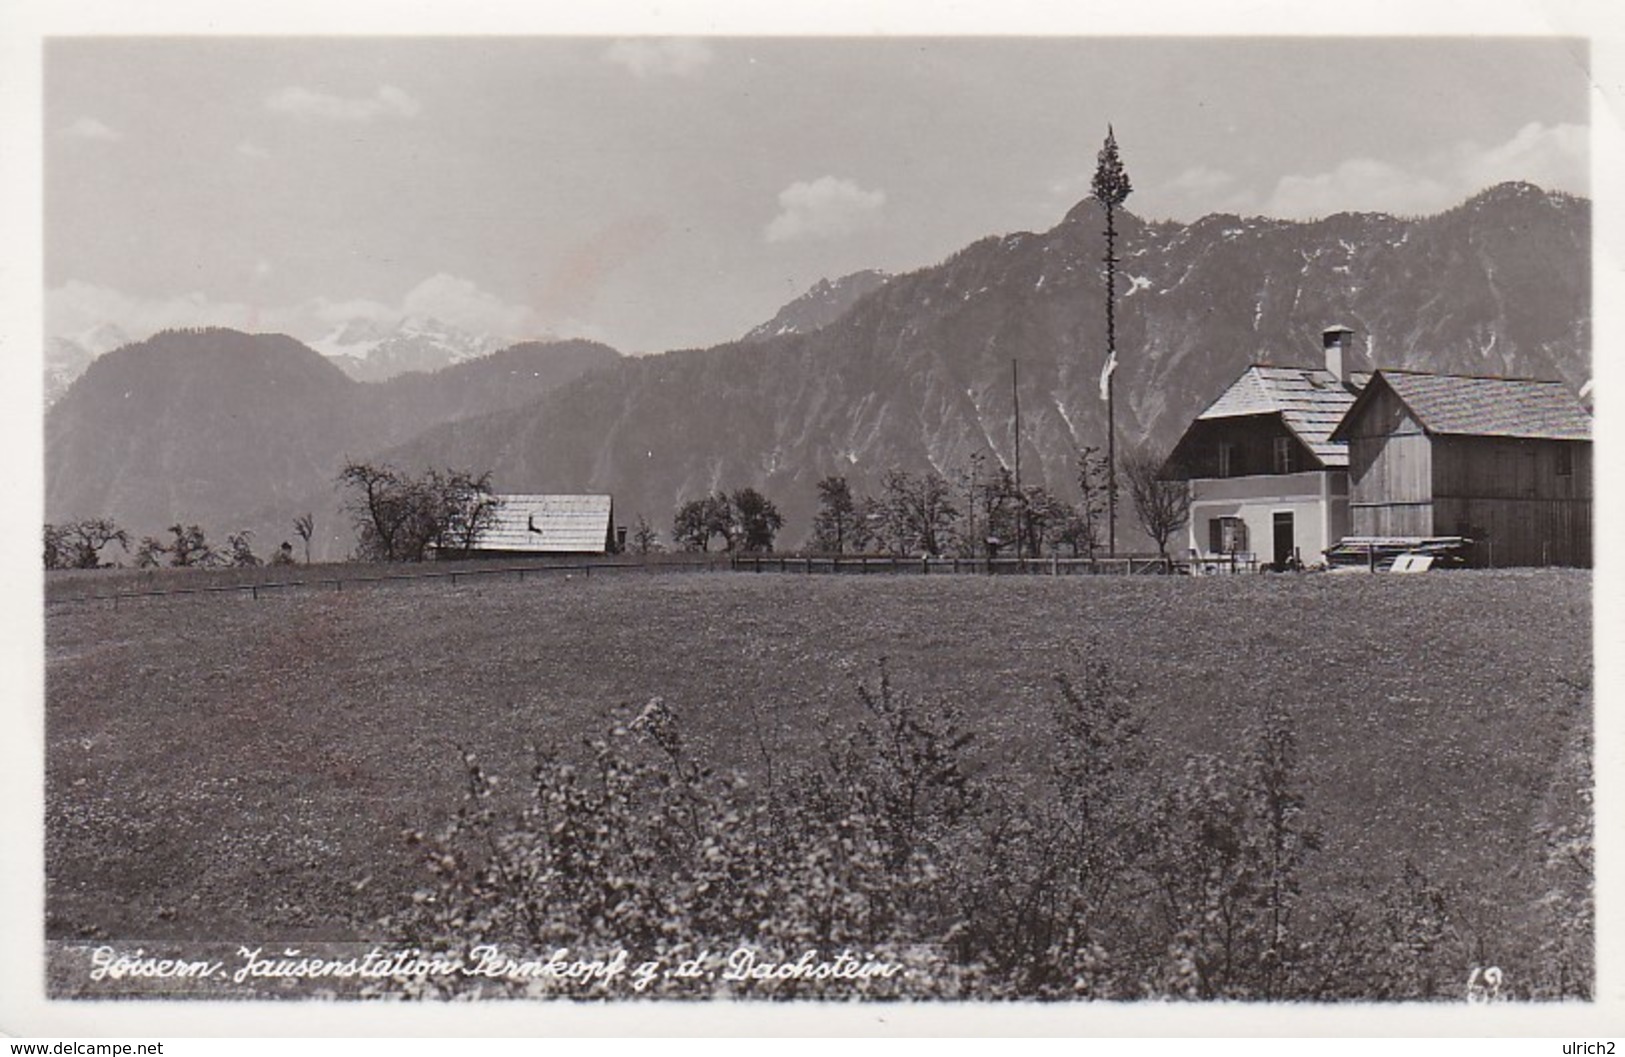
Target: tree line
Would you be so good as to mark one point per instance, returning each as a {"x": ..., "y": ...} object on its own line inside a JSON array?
[
  {"x": 977, "y": 512},
  {"x": 81, "y": 545},
  {"x": 980, "y": 511},
  {"x": 396, "y": 517}
]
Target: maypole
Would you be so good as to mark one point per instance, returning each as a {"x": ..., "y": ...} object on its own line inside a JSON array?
[{"x": 1111, "y": 186}]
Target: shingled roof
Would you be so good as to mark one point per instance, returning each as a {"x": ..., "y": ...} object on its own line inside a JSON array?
[
  {"x": 1482, "y": 407},
  {"x": 549, "y": 524},
  {"x": 1310, "y": 400}
]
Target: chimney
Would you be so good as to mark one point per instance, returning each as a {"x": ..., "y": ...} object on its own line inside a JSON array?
[{"x": 1338, "y": 343}]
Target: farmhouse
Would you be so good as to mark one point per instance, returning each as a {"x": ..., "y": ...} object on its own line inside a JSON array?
[
  {"x": 532, "y": 525},
  {"x": 1504, "y": 462},
  {"x": 1267, "y": 480}
]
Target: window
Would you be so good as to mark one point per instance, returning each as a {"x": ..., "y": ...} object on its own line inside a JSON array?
[
  {"x": 1565, "y": 461},
  {"x": 1283, "y": 454},
  {"x": 1226, "y": 535},
  {"x": 1227, "y": 459}
]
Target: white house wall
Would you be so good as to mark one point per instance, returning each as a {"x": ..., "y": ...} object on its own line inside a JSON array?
[{"x": 1317, "y": 500}]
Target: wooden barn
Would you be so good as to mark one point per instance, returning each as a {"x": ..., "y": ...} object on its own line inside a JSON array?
[
  {"x": 1268, "y": 484},
  {"x": 1504, "y": 462},
  {"x": 528, "y": 526}
]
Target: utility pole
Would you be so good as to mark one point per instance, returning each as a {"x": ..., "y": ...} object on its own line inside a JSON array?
[
  {"x": 1111, "y": 186},
  {"x": 1021, "y": 497}
]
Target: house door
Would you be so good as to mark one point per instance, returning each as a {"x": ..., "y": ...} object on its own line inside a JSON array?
[{"x": 1283, "y": 540}]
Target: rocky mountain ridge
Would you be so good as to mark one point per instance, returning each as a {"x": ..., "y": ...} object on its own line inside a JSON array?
[{"x": 916, "y": 372}]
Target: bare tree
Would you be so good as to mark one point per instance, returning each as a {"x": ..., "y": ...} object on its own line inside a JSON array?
[
  {"x": 1094, "y": 486},
  {"x": 304, "y": 526},
  {"x": 401, "y": 518},
  {"x": 462, "y": 507},
  {"x": 191, "y": 548},
  {"x": 151, "y": 553},
  {"x": 1046, "y": 519},
  {"x": 378, "y": 507},
  {"x": 79, "y": 544},
  {"x": 916, "y": 512},
  {"x": 1163, "y": 505},
  {"x": 242, "y": 550},
  {"x": 645, "y": 540}
]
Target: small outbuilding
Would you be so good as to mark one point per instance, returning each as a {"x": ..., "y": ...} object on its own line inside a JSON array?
[
  {"x": 536, "y": 525},
  {"x": 1503, "y": 462}
]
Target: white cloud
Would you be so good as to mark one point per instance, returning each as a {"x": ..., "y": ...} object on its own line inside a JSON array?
[
  {"x": 250, "y": 149},
  {"x": 76, "y": 307},
  {"x": 334, "y": 313},
  {"x": 1195, "y": 192},
  {"x": 1358, "y": 185},
  {"x": 464, "y": 305},
  {"x": 1202, "y": 179},
  {"x": 88, "y": 128},
  {"x": 669, "y": 57},
  {"x": 1554, "y": 157},
  {"x": 825, "y": 208},
  {"x": 388, "y": 101}
]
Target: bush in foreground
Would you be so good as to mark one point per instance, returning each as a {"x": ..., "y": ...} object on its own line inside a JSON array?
[{"x": 1106, "y": 878}]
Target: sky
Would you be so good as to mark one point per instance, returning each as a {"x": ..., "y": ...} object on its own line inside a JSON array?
[{"x": 668, "y": 192}]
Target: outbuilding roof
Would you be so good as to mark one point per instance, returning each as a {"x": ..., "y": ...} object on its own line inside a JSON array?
[
  {"x": 549, "y": 524},
  {"x": 1461, "y": 405},
  {"x": 1310, "y": 400}
]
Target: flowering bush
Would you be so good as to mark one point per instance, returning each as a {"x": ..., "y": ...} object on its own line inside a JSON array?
[{"x": 1106, "y": 878}]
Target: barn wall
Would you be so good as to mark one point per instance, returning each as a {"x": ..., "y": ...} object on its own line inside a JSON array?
[
  {"x": 1390, "y": 458},
  {"x": 1390, "y": 472},
  {"x": 1507, "y": 495},
  {"x": 1391, "y": 519},
  {"x": 1510, "y": 468}
]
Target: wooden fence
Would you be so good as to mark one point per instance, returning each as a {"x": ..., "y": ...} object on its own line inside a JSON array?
[
  {"x": 471, "y": 571},
  {"x": 860, "y": 565}
]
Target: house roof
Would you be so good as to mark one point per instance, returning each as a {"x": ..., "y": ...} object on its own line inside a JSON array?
[
  {"x": 1310, "y": 400},
  {"x": 549, "y": 524},
  {"x": 1484, "y": 407}
]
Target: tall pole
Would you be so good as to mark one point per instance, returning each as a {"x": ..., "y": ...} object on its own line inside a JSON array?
[
  {"x": 1021, "y": 499},
  {"x": 1111, "y": 186},
  {"x": 1111, "y": 382}
]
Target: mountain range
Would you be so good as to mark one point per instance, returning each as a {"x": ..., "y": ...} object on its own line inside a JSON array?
[{"x": 858, "y": 376}]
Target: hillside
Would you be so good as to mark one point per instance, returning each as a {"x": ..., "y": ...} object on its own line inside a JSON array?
[
  {"x": 214, "y": 426},
  {"x": 915, "y": 373},
  {"x": 827, "y": 301}
]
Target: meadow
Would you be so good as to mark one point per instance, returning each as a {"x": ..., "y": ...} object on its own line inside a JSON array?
[{"x": 220, "y": 768}]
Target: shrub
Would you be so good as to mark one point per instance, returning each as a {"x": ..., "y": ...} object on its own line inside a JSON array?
[{"x": 1108, "y": 878}]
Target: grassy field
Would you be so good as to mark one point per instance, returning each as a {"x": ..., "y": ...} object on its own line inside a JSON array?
[{"x": 222, "y": 768}]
